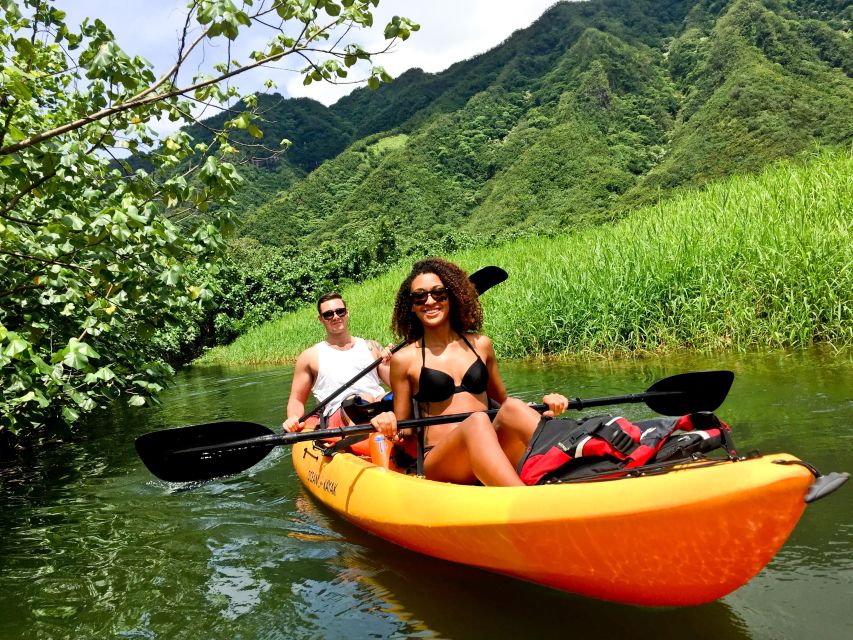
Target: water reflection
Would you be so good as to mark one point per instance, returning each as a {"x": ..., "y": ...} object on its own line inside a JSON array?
[
  {"x": 436, "y": 599},
  {"x": 95, "y": 547}
]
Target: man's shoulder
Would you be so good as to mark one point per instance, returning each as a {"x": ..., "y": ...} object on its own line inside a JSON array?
[
  {"x": 312, "y": 349},
  {"x": 373, "y": 345},
  {"x": 309, "y": 357}
]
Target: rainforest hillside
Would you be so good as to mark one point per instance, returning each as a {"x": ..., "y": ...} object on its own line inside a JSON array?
[
  {"x": 598, "y": 107},
  {"x": 768, "y": 265}
]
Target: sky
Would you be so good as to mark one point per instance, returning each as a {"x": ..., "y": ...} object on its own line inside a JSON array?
[{"x": 451, "y": 30}]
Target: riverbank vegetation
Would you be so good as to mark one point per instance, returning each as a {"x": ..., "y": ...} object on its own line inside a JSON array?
[
  {"x": 113, "y": 271},
  {"x": 762, "y": 261},
  {"x": 98, "y": 252},
  {"x": 595, "y": 109}
]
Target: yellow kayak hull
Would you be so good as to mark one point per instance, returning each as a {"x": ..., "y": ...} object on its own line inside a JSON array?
[{"x": 685, "y": 537}]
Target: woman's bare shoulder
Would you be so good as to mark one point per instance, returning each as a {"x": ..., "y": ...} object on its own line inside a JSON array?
[
  {"x": 481, "y": 341},
  {"x": 405, "y": 355}
]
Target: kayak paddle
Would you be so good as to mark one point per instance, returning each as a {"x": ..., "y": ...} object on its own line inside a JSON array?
[
  {"x": 482, "y": 279},
  {"x": 204, "y": 451}
]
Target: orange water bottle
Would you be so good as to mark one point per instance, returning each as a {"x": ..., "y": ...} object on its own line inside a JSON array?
[{"x": 380, "y": 450}]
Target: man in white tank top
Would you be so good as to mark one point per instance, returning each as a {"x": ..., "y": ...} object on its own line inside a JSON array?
[{"x": 327, "y": 365}]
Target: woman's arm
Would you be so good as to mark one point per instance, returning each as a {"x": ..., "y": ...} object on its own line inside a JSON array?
[
  {"x": 401, "y": 386},
  {"x": 401, "y": 383},
  {"x": 496, "y": 389}
]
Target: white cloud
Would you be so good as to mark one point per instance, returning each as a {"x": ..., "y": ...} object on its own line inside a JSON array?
[{"x": 451, "y": 30}]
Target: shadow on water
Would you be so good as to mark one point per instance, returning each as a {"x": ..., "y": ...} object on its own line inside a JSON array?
[{"x": 437, "y": 599}]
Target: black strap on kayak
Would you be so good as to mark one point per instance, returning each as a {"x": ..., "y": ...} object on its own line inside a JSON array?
[
  {"x": 728, "y": 443},
  {"x": 421, "y": 433},
  {"x": 360, "y": 411},
  {"x": 344, "y": 443}
]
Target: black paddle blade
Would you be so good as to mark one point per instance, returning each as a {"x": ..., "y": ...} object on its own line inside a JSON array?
[
  {"x": 690, "y": 392},
  {"x": 486, "y": 278},
  {"x": 163, "y": 452}
]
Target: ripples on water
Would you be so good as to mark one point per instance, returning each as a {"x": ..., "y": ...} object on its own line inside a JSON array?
[{"x": 94, "y": 547}]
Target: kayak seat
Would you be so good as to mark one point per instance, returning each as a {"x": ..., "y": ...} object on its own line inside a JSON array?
[{"x": 359, "y": 411}]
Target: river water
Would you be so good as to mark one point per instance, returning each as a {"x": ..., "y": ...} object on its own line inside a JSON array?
[{"x": 95, "y": 547}]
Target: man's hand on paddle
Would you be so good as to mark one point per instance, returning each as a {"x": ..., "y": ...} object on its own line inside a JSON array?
[{"x": 292, "y": 424}]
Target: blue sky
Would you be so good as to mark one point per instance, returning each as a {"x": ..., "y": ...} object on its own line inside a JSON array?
[{"x": 451, "y": 30}]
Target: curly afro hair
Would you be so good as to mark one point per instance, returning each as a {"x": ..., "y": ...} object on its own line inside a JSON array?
[{"x": 466, "y": 314}]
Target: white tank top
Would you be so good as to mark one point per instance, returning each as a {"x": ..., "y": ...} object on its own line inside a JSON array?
[{"x": 336, "y": 367}]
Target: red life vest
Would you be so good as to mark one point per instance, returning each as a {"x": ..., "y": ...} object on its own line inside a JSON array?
[{"x": 561, "y": 448}]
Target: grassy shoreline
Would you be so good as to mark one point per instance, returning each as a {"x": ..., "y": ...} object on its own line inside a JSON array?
[{"x": 752, "y": 262}]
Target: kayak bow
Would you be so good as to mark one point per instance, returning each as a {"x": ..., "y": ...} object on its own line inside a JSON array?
[{"x": 685, "y": 537}]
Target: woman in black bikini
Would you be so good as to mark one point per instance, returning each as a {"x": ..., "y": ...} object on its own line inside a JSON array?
[{"x": 438, "y": 311}]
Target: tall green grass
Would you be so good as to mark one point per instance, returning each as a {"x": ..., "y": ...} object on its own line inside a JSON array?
[{"x": 752, "y": 262}]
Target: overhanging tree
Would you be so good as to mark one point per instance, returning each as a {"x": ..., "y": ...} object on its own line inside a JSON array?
[{"x": 96, "y": 254}]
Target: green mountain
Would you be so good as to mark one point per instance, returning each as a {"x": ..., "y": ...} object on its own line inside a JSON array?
[{"x": 596, "y": 107}]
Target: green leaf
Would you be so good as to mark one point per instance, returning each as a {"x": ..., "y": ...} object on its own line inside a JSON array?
[
  {"x": 24, "y": 48},
  {"x": 240, "y": 122},
  {"x": 75, "y": 360},
  {"x": 73, "y": 221},
  {"x": 77, "y": 354},
  {"x": 25, "y": 398},
  {"x": 70, "y": 415},
  {"x": 172, "y": 276},
  {"x": 16, "y": 345},
  {"x": 102, "y": 59},
  {"x": 136, "y": 401}
]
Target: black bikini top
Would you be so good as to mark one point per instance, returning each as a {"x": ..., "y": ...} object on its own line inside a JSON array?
[{"x": 437, "y": 386}]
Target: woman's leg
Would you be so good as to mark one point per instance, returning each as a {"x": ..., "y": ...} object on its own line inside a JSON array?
[
  {"x": 515, "y": 423},
  {"x": 471, "y": 452}
]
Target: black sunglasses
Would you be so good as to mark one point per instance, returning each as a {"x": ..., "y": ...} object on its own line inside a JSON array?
[
  {"x": 331, "y": 313},
  {"x": 419, "y": 296}
]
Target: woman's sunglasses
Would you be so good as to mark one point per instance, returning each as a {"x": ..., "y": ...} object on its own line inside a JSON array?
[
  {"x": 331, "y": 313},
  {"x": 419, "y": 296}
]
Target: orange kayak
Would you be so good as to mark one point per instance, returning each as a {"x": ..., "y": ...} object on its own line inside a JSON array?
[{"x": 684, "y": 537}]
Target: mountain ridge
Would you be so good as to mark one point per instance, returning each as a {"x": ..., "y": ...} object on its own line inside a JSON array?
[
  {"x": 595, "y": 109},
  {"x": 653, "y": 96}
]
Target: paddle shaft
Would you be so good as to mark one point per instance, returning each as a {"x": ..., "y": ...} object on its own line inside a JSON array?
[
  {"x": 276, "y": 439},
  {"x": 631, "y": 398}
]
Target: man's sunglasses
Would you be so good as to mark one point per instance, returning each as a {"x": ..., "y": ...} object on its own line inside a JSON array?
[
  {"x": 419, "y": 296},
  {"x": 331, "y": 313}
]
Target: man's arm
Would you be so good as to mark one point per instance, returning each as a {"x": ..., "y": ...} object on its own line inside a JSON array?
[
  {"x": 304, "y": 375},
  {"x": 384, "y": 368}
]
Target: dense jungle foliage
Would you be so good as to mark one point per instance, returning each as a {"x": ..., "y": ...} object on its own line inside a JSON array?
[
  {"x": 749, "y": 262},
  {"x": 596, "y": 108},
  {"x": 111, "y": 271},
  {"x": 106, "y": 264}
]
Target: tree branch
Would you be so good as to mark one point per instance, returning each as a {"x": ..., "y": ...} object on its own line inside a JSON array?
[
  {"x": 137, "y": 102},
  {"x": 14, "y": 201},
  {"x": 18, "y": 289},
  {"x": 70, "y": 265}
]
